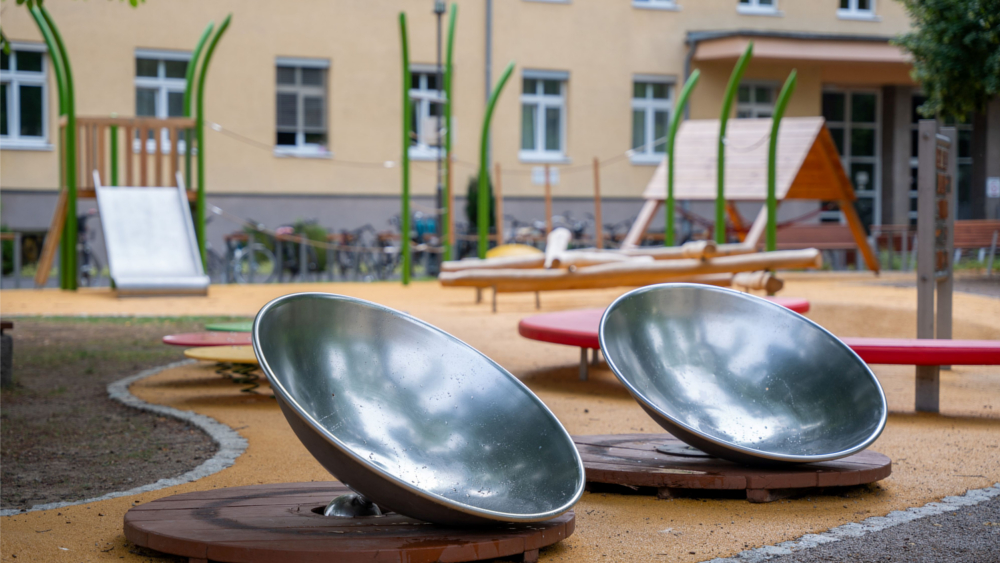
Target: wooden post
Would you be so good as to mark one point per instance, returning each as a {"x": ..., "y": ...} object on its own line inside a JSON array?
[
  {"x": 100, "y": 153},
  {"x": 451, "y": 207},
  {"x": 598, "y": 225},
  {"x": 174, "y": 160},
  {"x": 143, "y": 164},
  {"x": 548, "y": 202},
  {"x": 498, "y": 194},
  {"x": 128, "y": 154},
  {"x": 158, "y": 155},
  {"x": 927, "y": 377}
]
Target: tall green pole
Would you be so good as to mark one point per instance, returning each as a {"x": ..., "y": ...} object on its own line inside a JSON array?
[
  {"x": 404, "y": 227},
  {"x": 483, "y": 196},
  {"x": 199, "y": 221},
  {"x": 189, "y": 80},
  {"x": 772, "y": 161},
  {"x": 727, "y": 104},
  {"x": 668, "y": 233},
  {"x": 67, "y": 261},
  {"x": 114, "y": 154},
  {"x": 445, "y": 216}
]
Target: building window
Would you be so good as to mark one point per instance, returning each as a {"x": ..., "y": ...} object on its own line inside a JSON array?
[
  {"x": 543, "y": 117},
  {"x": 854, "y": 121},
  {"x": 656, "y": 4},
  {"x": 300, "y": 112},
  {"x": 428, "y": 107},
  {"x": 856, "y": 9},
  {"x": 757, "y": 7},
  {"x": 160, "y": 79},
  {"x": 755, "y": 100},
  {"x": 651, "y": 102},
  {"x": 23, "y": 119}
]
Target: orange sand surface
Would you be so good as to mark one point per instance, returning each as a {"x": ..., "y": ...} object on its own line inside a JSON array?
[{"x": 933, "y": 455}]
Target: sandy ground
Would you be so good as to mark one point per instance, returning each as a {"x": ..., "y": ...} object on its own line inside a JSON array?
[{"x": 933, "y": 455}]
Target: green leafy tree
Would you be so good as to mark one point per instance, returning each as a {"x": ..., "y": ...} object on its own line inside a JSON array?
[
  {"x": 472, "y": 202},
  {"x": 956, "y": 54}
]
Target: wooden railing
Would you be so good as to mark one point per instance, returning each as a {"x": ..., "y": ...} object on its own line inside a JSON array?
[{"x": 131, "y": 151}]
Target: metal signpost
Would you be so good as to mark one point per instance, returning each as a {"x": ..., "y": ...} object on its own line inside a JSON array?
[{"x": 935, "y": 242}]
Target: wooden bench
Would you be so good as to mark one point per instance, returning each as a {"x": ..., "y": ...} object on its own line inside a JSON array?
[
  {"x": 824, "y": 236},
  {"x": 580, "y": 328}
]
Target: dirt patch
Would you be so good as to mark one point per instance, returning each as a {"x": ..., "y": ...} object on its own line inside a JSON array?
[{"x": 62, "y": 438}]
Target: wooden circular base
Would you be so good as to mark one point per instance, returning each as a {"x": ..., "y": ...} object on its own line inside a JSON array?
[
  {"x": 279, "y": 522},
  {"x": 675, "y": 469}
]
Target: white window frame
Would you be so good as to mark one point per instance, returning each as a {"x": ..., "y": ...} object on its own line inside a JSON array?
[
  {"x": 648, "y": 105},
  {"x": 544, "y": 102},
  {"x": 667, "y": 5},
  {"x": 13, "y": 79},
  {"x": 755, "y": 8},
  {"x": 853, "y": 12},
  {"x": 875, "y": 190},
  {"x": 164, "y": 87},
  {"x": 422, "y": 98},
  {"x": 753, "y": 106},
  {"x": 301, "y": 149}
]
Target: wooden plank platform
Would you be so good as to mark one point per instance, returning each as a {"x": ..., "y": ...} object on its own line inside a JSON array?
[
  {"x": 671, "y": 468},
  {"x": 284, "y": 522}
]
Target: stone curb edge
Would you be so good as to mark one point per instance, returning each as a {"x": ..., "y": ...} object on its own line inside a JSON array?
[
  {"x": 231, "y": 444},
  {"x": 865, "y": 527}
]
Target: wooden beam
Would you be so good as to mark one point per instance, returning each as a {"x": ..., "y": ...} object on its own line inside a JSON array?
[
  {"x": 598, "y": 225},
  {"x": 498, "y": 195},
  {"x": 548, "y": 202},
  {"x": 52, "y": 240},
  {"x": 646, "y": 214},
  {"x": 629, "y": 273}
]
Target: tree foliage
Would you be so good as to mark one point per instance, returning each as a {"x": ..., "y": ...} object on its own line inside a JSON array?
[{"x": 956, "y": 54}]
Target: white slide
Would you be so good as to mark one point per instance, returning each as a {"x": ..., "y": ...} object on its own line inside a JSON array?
[{"x": 152, "y": 248}]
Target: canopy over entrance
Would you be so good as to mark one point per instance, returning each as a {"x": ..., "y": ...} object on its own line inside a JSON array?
[{"x": 808, "y": 167}]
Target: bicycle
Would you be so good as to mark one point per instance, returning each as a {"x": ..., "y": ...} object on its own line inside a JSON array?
[{"x": 249, "y": 262}]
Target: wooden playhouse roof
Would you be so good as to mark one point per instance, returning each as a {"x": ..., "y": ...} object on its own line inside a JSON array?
[{"x": 809, "y": 166}]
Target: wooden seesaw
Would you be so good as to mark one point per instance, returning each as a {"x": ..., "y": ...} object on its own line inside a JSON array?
[{"x": 562, "y": 269}]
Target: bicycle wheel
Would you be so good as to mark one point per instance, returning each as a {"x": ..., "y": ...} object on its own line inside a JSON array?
[{"x": 254, "y": 264}]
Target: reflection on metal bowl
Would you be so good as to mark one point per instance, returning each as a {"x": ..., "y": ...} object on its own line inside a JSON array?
[
  {"x": 412, "y": 418},
  {"x": 740, "y": 377}
]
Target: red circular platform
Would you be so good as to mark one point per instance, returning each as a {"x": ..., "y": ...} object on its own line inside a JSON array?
[
  {"x": 579, "y": 327},
  {"x": 195, "y": 339},
  {"x": 280, "y": 522}
]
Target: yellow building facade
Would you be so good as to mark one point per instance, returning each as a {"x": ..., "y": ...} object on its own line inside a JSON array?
[{"x": 303, "y": 98}]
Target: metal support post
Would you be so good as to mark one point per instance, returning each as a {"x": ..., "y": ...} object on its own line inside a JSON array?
[{"x": 583, "y": 364}]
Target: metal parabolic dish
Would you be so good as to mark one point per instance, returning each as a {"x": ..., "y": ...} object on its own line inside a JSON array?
[
  {"x": 740, "y": 377},
  {"x": 412, "y": 418}
]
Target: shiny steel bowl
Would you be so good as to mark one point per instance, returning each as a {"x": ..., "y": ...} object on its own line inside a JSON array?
[
  {"x": 412, "y": 418},
  {"x": 739, "y": 377}
]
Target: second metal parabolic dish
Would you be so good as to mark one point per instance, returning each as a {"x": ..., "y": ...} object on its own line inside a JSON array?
[
  {"x": 740, "y": 377},
  {"x": 412, "y": 418}
]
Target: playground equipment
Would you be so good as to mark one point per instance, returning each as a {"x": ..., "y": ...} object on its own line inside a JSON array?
[
  {"x": 741, "y": 378},
  {"x": 808, "y": 168},
  {"x": 197, "y": 339},
  {"x": 100, "y": 149},
  {"x": 446, "y": 217},
  {"x": 414, "y": 420},
  {"x": 152, "y": 247},
  {"x": 235, "y": 326},
  {"x": 243, "y": 355},
  {"x": 579, "y": 327}
]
